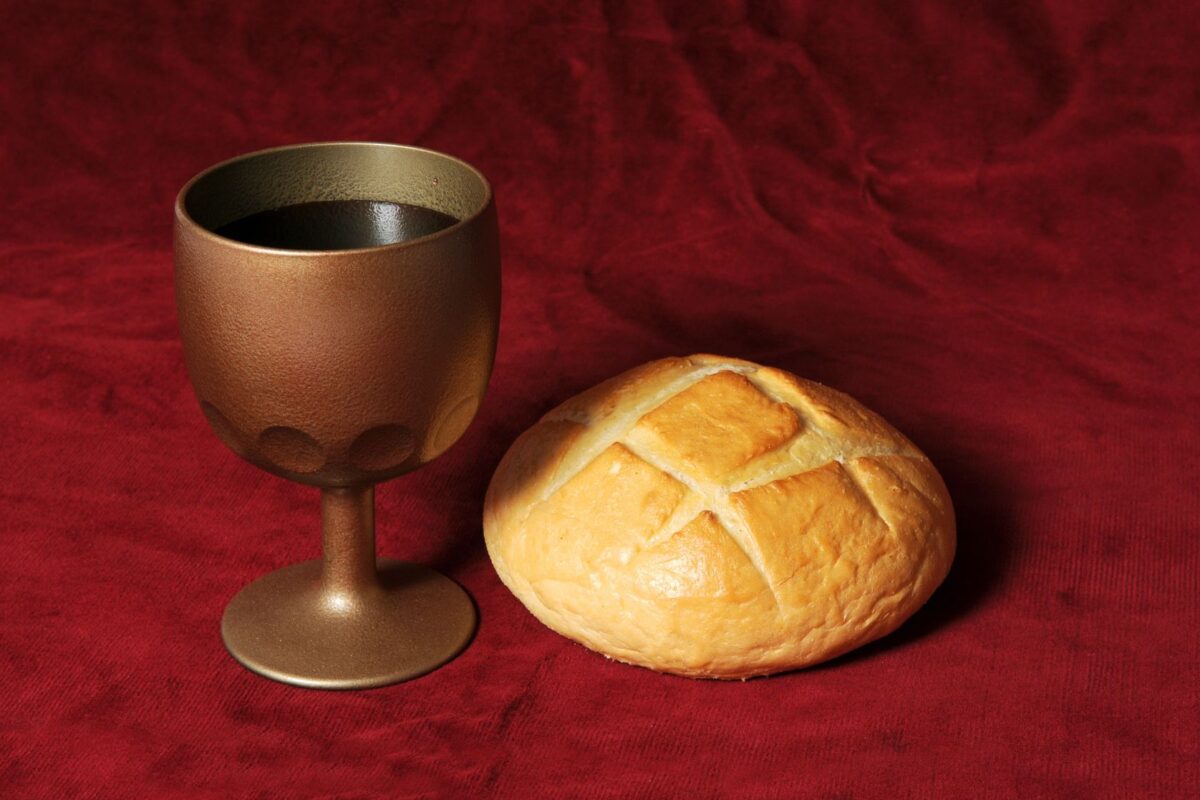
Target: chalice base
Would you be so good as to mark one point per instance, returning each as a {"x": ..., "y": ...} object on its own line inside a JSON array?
[{"x": 290, "y": 626}]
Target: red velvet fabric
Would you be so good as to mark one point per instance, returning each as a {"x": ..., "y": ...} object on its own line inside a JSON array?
[{"x": 978, "y": 218}]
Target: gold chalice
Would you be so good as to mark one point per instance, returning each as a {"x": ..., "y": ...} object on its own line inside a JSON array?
[{"x": 338, "y": 305}]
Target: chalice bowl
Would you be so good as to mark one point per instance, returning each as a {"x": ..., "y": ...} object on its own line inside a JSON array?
[{"x": 338, "y": 306}]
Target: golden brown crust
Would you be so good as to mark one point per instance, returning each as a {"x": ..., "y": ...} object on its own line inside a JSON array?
[
  {"x": 717, "y": 424},
  {"x": 710, "y": 517}
]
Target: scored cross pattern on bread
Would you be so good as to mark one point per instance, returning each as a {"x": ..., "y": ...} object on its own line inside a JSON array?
[{"x": 708, "y": 516}]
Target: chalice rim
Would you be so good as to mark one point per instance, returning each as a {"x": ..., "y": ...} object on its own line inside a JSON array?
[{"x": 183, "y": 217}]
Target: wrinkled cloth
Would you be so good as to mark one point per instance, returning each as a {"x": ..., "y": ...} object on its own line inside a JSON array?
[{"x": 979, "y": 219}]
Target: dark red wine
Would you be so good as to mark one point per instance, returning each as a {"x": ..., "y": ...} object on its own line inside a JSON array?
[{"x": 336, "y": 225}]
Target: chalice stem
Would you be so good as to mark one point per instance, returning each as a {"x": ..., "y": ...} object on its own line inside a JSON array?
[
  {"x": 345, "y": 621},
  {"x": 348, "y": 539}
]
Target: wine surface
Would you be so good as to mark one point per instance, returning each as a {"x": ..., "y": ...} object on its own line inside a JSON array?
[{"x": 336, "y": 225}]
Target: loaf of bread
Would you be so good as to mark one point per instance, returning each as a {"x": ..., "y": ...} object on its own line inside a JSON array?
[{"x": 710, "y": 517}]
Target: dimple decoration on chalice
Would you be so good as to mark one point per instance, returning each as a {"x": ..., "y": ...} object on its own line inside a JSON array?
[
  {"x": 452, "y": 426},
  {"x": 290, "y": 449},
  {"x": 223, "y": 427},
  {"x": 382, "y": 448}
]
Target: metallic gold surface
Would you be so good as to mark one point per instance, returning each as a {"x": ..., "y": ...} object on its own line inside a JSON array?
[
  {"x": 341, "y": 369},
  {"x": 340, "y": 623}
]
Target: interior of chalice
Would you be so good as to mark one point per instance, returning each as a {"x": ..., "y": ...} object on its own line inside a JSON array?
[{"x": 289, "y": 176}]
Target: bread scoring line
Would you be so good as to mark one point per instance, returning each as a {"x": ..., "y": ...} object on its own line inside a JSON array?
[
  {"x": 710, "y": 494},
  {"x": 852, "y": 477},
  {"x": 802, "y": 467},
  {"x": 619, "y": 424}
]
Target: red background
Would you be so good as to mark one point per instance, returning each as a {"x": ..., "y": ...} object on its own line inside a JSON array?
[{"x": 978, "y": 218}]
